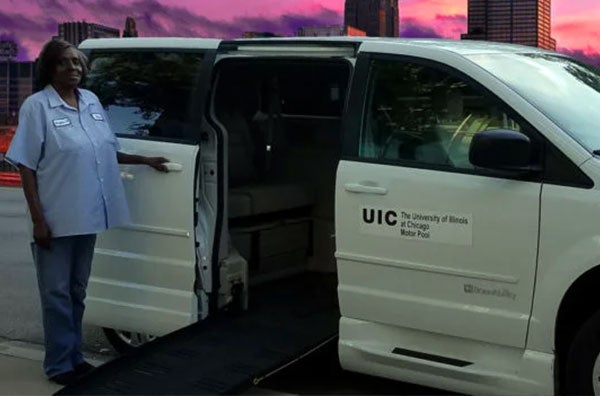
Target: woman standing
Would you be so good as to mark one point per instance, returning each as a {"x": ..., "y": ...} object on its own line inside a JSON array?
[{"x": 68, "y": 159}]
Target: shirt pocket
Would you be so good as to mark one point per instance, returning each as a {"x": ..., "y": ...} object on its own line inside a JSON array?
[
  {"x": 102, "y": 130},
  {"x": 67, "y": 137}
]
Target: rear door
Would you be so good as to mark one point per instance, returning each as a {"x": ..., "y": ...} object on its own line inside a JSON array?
[
  {"x": 424, "y": 240},
  {"x": 144, "y": 274}
]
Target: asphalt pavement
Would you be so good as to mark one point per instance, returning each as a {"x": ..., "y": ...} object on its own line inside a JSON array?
[
  {"x": 21, "y": 371},
  {"x": 21, "y": 335},
  {"x": 19, "y": 299},
  {"x": 21, "y": 374}
]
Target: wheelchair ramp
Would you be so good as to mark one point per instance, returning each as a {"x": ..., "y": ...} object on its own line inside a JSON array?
[{"x": 287, "y": 320}]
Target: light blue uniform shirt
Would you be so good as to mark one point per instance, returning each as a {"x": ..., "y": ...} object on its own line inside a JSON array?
[{"x": 75, "y": 156}]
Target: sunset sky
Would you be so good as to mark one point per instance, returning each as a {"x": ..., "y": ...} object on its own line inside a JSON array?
[{"x": 576, "y": 23}]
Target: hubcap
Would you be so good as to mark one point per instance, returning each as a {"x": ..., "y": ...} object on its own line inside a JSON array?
[
  {"x": 134, "y": 339},
  {"x": 596, "y": 376}
]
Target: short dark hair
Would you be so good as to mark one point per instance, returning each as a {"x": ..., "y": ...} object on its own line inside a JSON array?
[{"x": 49, "y": 57}]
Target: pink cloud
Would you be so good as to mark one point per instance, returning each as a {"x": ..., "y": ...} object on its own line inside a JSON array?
[
  {"x": 578, "y": 31},
  {"x": 32, "y": 22},
  {"x": 451, "y": 26},
  {"x": 426, "y": 10},
  {"x": 232, "y": 9}
]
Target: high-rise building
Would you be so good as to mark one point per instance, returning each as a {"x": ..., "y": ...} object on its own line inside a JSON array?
[
  {"x": 525, "y": 22},
  {"x": 16, "y": 84},
  {"x": 130, "y": 29},
  {"x": 326, "y": 31},
  {"x": 379, "y": 18},
  {"x": 76, "y": 32}
]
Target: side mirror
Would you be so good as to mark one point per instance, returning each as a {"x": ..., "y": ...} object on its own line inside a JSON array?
[{"x": 500, "y": 149}]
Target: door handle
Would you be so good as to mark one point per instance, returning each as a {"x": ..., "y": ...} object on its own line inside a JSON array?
[
  {"x": 127, "y": 176},
  {"x": 365, "y": 189},
  {"x": 173, "y": 166}
]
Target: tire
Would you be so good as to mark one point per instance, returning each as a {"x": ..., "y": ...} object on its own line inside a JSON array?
[
  {"x": 124, "y": 341},
  {"x": 582, "y": 371}
]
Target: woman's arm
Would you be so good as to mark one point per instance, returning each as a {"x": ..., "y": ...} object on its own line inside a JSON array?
[
  {"x": 42, "y": 234},
  {"x": 155, "y": 162}
]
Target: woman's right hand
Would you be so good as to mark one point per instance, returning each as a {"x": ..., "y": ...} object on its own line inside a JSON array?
[{"x": 42, "y": 234}]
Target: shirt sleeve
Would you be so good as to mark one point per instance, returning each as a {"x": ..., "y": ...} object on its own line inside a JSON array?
[{"x": 27, "y": 145}]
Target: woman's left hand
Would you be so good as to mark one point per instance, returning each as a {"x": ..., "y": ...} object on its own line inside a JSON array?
[{"x": 157, "y": 163}]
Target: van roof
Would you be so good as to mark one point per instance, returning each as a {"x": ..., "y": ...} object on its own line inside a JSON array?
[{"x": 462, "y": 47}]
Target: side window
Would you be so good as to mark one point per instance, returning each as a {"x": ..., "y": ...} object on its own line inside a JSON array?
[
  {"x": 424, "y": 114},
  {"x": 145, "y": 94}
]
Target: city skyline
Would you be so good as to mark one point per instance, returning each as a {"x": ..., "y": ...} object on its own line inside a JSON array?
[
  {"x": 525, "y": 22},
  {"x": 32, "y": 22},
  {"x": 374, "y": 17}
]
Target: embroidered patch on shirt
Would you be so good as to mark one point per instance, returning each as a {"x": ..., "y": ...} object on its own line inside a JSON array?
[
  {"x": 97, "y": 117},
  {"x": 61, "y": 122}
]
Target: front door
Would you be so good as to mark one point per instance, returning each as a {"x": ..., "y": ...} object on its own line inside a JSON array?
[
  {"x": 144, "y": 275},
  {"x": 425, "y": 241}
]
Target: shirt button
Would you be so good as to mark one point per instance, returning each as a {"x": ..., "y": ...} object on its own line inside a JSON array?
[
  {"x": 102, "y": 179},
  {"x": 98, "y": 162}
]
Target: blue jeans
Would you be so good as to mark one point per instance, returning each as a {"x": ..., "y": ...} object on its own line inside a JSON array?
[{"x": 63, "y": 273}]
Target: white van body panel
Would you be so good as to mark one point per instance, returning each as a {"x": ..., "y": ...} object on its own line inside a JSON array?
[
  {"x": 207, "y": 191},
  {"x": 424, "y": 284},
  {"x": 569, "y": 247},
  {"x": 366, "y": 346},
  {"x": 144, "y": 43},
  {"x": 535, "y": 241},
  {"x": 152, "y": 276},
  {"x": 424, "y": 317},
  {"x": 143, "y": 274}
]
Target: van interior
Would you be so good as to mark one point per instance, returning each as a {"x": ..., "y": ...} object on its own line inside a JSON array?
[{"x": 282, "y": 122}]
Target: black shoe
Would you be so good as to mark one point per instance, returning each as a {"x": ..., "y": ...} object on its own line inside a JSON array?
[
  {"x": 66, "y": 378},
  {"x": 83, "y": 368}
]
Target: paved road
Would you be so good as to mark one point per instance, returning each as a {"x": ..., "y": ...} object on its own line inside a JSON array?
[
  {"x": 21, "y": 320},
  {"x": 19, "y": 298}
]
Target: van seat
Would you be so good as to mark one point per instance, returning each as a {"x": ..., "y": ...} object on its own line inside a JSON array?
[
  {"x": 260, "y": 199},
  {"x": 248, "y": 196}
]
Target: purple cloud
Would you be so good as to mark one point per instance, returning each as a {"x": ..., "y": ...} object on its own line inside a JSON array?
[
  {"x": 592, "y": 59},
  {"x": 457, "y": 18},
  {"x": 154, "y": 18},
  {"x": 287, "y": 24},
  {"x": 451, "y": 26},
  {"x": 23, "y": 53},
  {"x": 159, "y": 20},
  {"x": 411, "y": 28}
]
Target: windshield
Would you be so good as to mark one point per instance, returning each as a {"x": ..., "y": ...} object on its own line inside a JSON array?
[{"x": 566, "y": 90}]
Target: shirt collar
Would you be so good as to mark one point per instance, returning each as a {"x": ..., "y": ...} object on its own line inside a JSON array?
[{"x": 54, "y": 99}]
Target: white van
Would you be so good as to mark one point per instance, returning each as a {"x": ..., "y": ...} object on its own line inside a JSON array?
[{"x": 451, "y": 188}]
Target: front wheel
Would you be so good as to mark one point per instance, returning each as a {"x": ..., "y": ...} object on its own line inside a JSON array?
[
  {"x": 582, "y": 372},
  {"x": 126, "y": 341}
]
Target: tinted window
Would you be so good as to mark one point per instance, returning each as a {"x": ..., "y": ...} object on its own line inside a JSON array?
[
  {"x": 146, "y": 94},
  {"x": 426, "y": 115}
]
